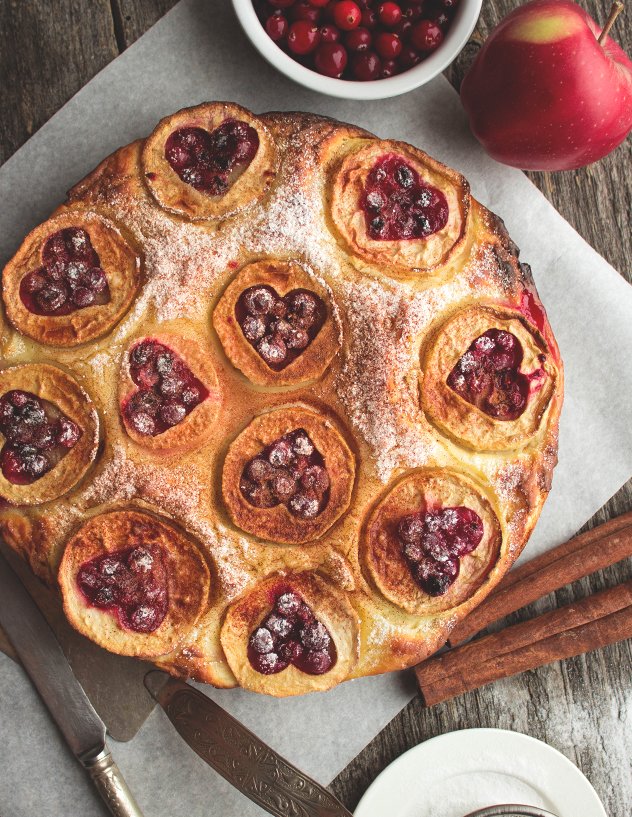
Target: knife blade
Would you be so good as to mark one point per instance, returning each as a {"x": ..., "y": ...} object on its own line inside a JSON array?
[
  {"x": 242, "y": 758},
  {"x": 47, "y": 667}
]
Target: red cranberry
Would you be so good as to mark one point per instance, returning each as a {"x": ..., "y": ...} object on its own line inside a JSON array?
[
  {"x": 331, "y": 59},
  {"x": 389, "y": 13},
  {"x": 388, "y": 45},
  {"x": 329, "y": 34},
  {"x": 347, "y": 15},
  {"x": 403, "y": 28},
  {"x": 389, "y": 69},
  {"x": 131, "y": 583},
  {"x": 368, "y": 18},
  {"x": 398, "y": 205},
  {"x": 277, "y": 27},
  {"x": 291, "y": 634},
  {"x": 303, "y": 10},
  {"x": 409, "y": 57},
  {"x": 303, "y": 37},
  {"x": 290, "y": 471},
  {"x": 412, "y": 14},
  {"x": 488, "y": 375},
  {"x": 359, "y": 39},
  {"x": 366, "y": 66},
  {"x": 426, "y": 35}
]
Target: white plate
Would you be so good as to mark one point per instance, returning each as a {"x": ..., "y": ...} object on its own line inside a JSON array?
[{"x": 454, "y": 774}]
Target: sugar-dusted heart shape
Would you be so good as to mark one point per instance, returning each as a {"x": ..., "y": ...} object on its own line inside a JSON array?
[
  {"x": 70, "y": 278},
  {"x": 131, "y": 583},
  {"x": 433, "y": 543},
  {"x": 488, "y": 375},
  {"x": 290, "y": 471},
  {"x": 398, "y": 206},
  {"x": 291, "y": 634},
  {"x": 279, "y": 328},
  {"x": 37, "y": 436},
  {"x": 167, "y": 389},
  {"x": 211, "y": 161}
]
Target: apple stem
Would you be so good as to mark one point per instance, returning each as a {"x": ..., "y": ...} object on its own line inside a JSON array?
[{"x": 615, "y": 11}]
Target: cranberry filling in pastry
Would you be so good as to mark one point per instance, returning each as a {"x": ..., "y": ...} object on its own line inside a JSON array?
[
  {"x": 279, "y": 328},
  {"x": 70, "y": 278},
  {"x": 397, "y": 205},
  {"x": 210, "y": 162},
  {"x": 291, "y": 471},
  {"x": 488, "y": 375},
  {"x": 131, "y": 583},
  {"x": 433, "y": 543},
  {"x": 291, "y": 634},
  {"x": 168, "y": 390},
  {"x": 38, "y": 435}
]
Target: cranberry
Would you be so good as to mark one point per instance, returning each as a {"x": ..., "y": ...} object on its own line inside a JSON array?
[
  {"x": 488, "y": 375},
  {"x": 347, "y": 14},
  {"x": 359, "y": 39},
  {"x": 366, "y": 66},
  {"x": 319, "y": 3},
  {"x": 426, "y": 35},
  {"x": 132, "y": 583},
  {"x": 398, "y": 205},
  {"x": 168, "y": 389},
  {"x": 331, "y": 59},
  {"x": 329, "y": 34},
  {"x": 209, "y": 162},
  {"x": 412, "y": 13},
  {"x": 303, "y": 10},
  {"x": 303, "y": 37},
  {"x": 388, "y": 45},
  {"x": 389, "y": 13},
  {"x": 279, "y": 328},
  {"x": 368, "y": 18},
  {"x": 277, "y": 27},
  {"x": 37, "y": 436},
  {"x": 389, "y": 69},
  {"x": 433, "y": 542},
  {"x": 291, "y": 634},
  {"x": 70, "y": 279},
  {"x": 409, "y": 57},
  {"x": 289, "y": 471}
]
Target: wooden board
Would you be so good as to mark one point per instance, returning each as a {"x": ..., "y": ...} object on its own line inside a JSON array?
[{"x": 45, "y": 58}]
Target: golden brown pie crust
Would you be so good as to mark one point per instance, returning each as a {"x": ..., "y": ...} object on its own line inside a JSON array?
[
  {"x": 54, "y": 385},
  {"x": 382, "y": 551},
  {"x": 329, "y": 605},
  {"x": 119, "y": 260},
  {"x": 460, "y": 419},
  {"x": 278, "y": 524},
  {"x": 188, "y": 581},
  {"x": 175, "y": 195},
  {"x": 422, "y": 259},
  {"x": 198, "y": 425},
  {"x": 282, "y": 276}
]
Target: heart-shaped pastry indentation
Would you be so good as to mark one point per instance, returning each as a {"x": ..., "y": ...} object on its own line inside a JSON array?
[
  {"x": 398, "y": 206},
  {"x": 70, "y": 278},
  {"x": 291, "y": 634},
  {"x": 488, "y": 375},
  {"x": 168, "y": 390},
  {"x": 290, "y": 471},
  {"x": 211, "y": 162},
  {"x": 433, "y": 543},
  {"x": 38, "y": 435},
  {"x": 279, "y": 328},
  {"x": 131, "y": 583}
]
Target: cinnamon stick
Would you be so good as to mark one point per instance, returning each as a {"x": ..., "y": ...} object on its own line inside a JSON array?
[
  {"x": 584, "y": 554},
  {"x": 596, "y": 621}
]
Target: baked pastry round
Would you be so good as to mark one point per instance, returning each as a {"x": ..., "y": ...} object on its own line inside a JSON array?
[{"x": 321, "y": 434}]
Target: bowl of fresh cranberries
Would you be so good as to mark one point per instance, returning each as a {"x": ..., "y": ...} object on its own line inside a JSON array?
[{"x": 359, "y": 49}]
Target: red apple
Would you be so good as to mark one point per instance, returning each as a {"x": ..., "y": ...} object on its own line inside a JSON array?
[{"x": 543, "y": 94}]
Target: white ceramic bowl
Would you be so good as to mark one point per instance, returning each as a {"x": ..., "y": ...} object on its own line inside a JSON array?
[{"x": 457, "y": 36}]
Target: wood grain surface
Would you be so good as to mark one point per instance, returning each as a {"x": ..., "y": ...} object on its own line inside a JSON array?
[{"x": 581, "y": 706}]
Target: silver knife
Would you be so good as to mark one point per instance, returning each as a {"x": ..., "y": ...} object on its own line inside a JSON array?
[
  {"x": 240, "y": 756},
  {"x": 50, "y": 672}
]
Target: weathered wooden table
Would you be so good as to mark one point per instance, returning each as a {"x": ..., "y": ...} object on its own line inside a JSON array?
[{"x": 49, "y": 50}]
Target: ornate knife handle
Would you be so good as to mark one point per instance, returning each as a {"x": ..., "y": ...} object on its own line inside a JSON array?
[
  {"x": 240, "y": 756},
  {"x": 111, "y": 785}
]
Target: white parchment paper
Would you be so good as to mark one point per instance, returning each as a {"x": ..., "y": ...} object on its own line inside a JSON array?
[{"x": 196, "y": 53}]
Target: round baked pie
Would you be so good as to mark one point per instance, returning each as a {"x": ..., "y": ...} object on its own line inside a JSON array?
[
  {"x": 72, "y": 280},
  {"x": 321, "y": 425}
]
